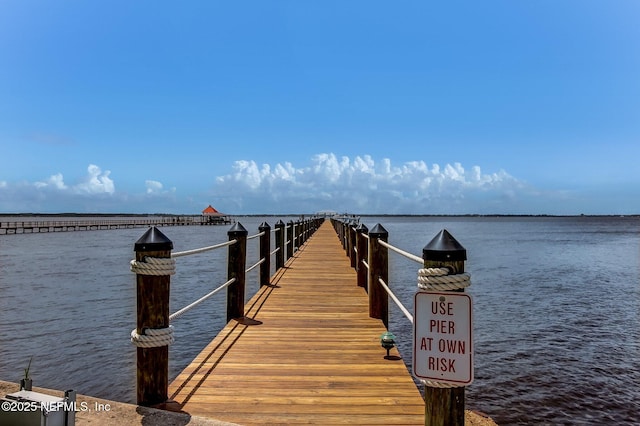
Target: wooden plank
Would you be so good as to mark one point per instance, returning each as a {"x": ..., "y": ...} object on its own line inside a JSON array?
[{"x": 307, "y": 354}]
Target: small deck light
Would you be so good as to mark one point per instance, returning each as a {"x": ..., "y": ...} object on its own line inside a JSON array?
[{"x": 387, "y": 340}]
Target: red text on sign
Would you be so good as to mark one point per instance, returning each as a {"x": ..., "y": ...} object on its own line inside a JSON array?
[
  {"x": 442, "y": 364},
  {"x": 442, "y": 308},
  {"x": 442, "y": 326}
]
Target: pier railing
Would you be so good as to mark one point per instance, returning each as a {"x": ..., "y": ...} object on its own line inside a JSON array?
[
  {"x": 96, "y": 224},
  {"x": 155, "y": 263},
  {"x": 441, "y": 269}
]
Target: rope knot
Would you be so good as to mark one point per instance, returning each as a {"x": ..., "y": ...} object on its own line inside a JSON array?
[
  {"x": 439, "y": 279},
  {"x": 153, "y": 266},
  {"x": 153, "y": 337}
]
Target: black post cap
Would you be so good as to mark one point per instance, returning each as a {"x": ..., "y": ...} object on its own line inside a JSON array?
[
  {"x": 279, "y": 223},
  {"x": 362, "y": 228},
  {"x": 443, "y": 247},
  {"x": 153, "y": 240},
  {"x": 237, "y": 229},
  {"x": 264, "y": 226},
  {"x": 378, "y": 231}
]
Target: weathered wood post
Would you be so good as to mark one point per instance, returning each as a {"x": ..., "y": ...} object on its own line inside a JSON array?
[
  {"x": 378, "y": 269},
  {"x": 236, "y": 269},
  {"x": 361, "y": 256},
  {"x": 352, "y": 243},
  {"x": 290, "y": 237},
  {"x": 294, "y": 235},
  {"x": 306, "y": 229},
  {"x": 280, "y": 244},
  {"x": 152, "y": 300},
  {"x": 301, "y": 236},
  {"x": 265, "y": 246},
  {"x": 444, "y": 406}
]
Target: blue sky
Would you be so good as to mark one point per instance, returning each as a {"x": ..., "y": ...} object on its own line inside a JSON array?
[{"x": 513, "y": 107}]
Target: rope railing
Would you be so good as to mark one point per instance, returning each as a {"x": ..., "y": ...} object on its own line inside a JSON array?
[
  {"x": 251, "y": 237},
  {"x": 255, "y": 265},
  {"x": 401, "y": 252},
  {"x": 203, "y": 249},
  {"x": 441, "y": 270},
  {"x": 393, "y": 297},
  {"x": 155, "y": 264},
  {"x": 202, "y": 299}
]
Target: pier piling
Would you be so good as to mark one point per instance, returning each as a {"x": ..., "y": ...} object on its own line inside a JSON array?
[
  {"x": 378, "y": 269},
  {"x": 265, "y": 245},
  {"x": 236, "y": 269},
  {"x": 444, "y": 406},
  {"x": 280, "y": 244},
  {"x": 361, "y": 255},
  {"x": 152, "y": 295}
]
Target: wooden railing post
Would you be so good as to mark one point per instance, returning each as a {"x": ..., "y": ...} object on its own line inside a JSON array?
[
  {"x": 361, "y": 255},
  {"x": 280, "y": 244},
  {"x": 444, "y": 406},
  {"x": 290, "y": 237},
  {"x": 265, "y": 249},
  {"x": 378, "y": 269},
  {"x": 152, "y": 300},
  {"x": 236, "y": 269},
  {"x": 352, "y": 243}
]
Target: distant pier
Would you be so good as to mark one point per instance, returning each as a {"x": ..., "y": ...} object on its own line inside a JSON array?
[{"x": 93, "y": 224}]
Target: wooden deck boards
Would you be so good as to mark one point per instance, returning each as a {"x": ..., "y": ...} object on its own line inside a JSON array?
[{"x": 307, "y": 353}]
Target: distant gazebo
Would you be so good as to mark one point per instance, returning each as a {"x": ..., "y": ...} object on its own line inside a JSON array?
[{"x": 211, "y": 216}]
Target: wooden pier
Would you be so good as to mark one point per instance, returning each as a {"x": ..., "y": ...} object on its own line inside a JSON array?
[{"x": 306, "y": 352}]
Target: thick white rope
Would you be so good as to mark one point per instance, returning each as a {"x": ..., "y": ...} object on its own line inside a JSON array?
[
  {"x": 153, "y": 337},
  {"x": 443, "y": 385},
  {"x": 401, "y": 252},
  {"x": 404, "y": 310},
  {"x": 203, "y": 249},
  {"x": 153, "y": 266},
  {"x": 438, "y": 279},
  {"x": 202, "y": 299},
  {"x": 255, "y": 265}
]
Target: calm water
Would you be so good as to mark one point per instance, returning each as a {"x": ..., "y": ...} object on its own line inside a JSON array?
[{"x": 556, "y": 310}]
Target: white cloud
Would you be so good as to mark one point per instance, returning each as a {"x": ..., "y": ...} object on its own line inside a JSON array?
[
  {"x": 156, "y": 188},
  {"x": 55, "y": 181},
  {"x": 93, "y": 193},
  {"x": 362, "y": 185},
  {"x": 96, "y": 182},
  {"x": 153, "y": 186}
]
